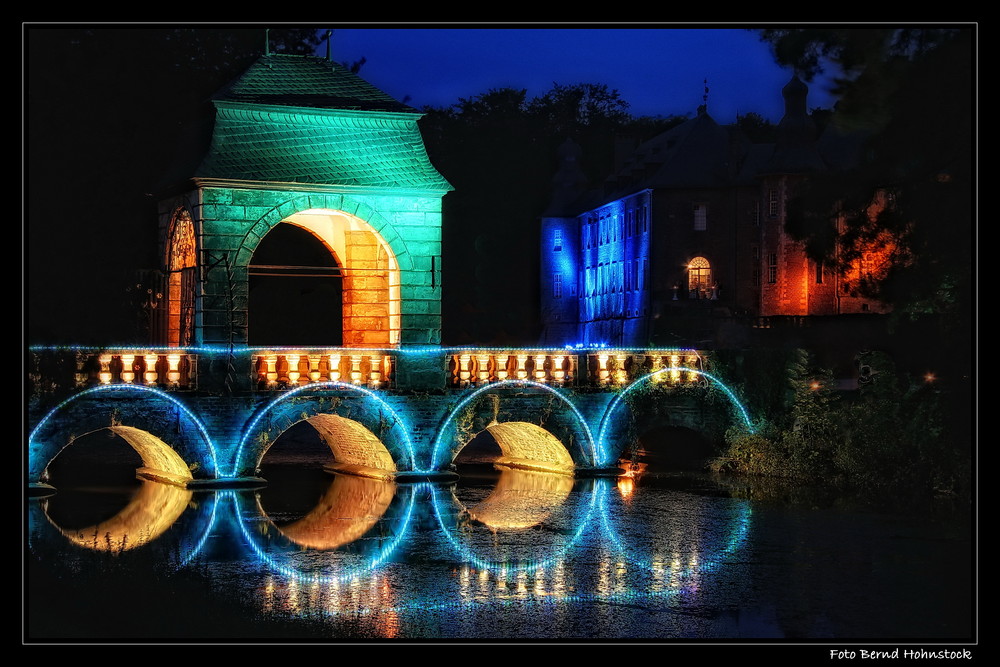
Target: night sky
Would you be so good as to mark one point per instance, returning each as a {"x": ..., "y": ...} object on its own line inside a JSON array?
[{"x": 659, "y": 70}]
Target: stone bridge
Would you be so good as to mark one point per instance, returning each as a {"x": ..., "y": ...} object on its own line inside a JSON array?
[{"x": 206, "y": 417}]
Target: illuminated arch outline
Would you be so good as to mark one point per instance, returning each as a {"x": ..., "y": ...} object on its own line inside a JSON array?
[
  {"x": 617, "y": 400},
  {"x": 329, "y": 384},
  {"x": 436, "y": 491},
  {"x": 354, "y": 573},
  {"x": 128, "y": 387},
  {"x": 736, "y": 538},
  {"x": 437, "y": 464}
]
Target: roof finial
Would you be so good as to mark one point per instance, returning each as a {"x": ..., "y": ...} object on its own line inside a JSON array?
[
  {"x": 267, "y": 41},
  {"x": 329, "y": 45}
]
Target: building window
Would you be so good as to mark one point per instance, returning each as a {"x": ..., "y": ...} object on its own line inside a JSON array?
[
  {"x": 557, "y": 240},
  {"x": 756, "y": 265},
  {"x": 181, "y": 282},
  {"x": 756, "y": 212},
  {"x": 556, "y": 286},
  {"x": 699, "y": 278},
  {"x": 700, "y": 217},
  {"x": 772, "y": 268},
  {"x": 772, "y": 202},
  {"x": 819, "y": 273}
]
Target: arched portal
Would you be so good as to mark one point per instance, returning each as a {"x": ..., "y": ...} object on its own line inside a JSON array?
[
  {"x": 356, "y": 263},
  {"x": 667, "y": 448}
]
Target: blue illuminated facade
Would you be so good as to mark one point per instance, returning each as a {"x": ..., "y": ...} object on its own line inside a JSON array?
[
  {"x": 685, "y": 244},
  {"x": 669, "y": 238}
]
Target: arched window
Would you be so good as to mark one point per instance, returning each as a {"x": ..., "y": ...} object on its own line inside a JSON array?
[
  {"x": 181, "y": 263},
  {"x": 699, "y": 279}
]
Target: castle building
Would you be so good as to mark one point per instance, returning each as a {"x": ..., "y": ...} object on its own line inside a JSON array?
[
  {"x": 689, "y": 231},
  {"x": 308, "y": 171}
]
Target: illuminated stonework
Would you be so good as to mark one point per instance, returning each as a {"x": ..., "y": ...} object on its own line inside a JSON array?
[
  {"x": 299, "y": 140},
  {"x": 690, "y": 230}
]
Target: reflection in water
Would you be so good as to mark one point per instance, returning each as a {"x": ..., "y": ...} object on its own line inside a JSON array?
[
  {"x": 350, "y": 508},
  {"x": 656, "y": 562},
  {"x": 521, "y": 499},
  {"x": 355, "y": 528},
  {"x": 151, "y": 511}
]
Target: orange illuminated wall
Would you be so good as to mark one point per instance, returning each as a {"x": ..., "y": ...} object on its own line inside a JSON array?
[
  {"x": 181, "y": 262},
  {"x": 371, "y": 277}
]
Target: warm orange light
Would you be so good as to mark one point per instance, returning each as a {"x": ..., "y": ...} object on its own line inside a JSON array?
[
  {"x": 929, "y": 377},
  {"x": 814, "y": 385}
]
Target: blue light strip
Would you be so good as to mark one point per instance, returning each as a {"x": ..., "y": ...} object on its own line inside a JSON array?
[
  {"x": 466, "y": 555},
  {"x": 132, "y": 387},
  {"x": 330, "y": 384},
  {"x": 352, "y": 574},
  {"x": 401, "y": 351},
  {"x": 213, "y": 517},
  {"x": 617, "y": 400},
  {"x": 737, "y": 537},
  {"x": 436, "y": 457}
]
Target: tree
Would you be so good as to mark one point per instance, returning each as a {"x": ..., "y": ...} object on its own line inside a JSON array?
[
  {"x": 499, "y": 150},
  {"x": 105, "y": 109},
  {"x": 909, "y": 91}
]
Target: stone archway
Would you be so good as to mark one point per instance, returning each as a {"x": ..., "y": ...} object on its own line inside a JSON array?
[{"x": 367, "y": 271}]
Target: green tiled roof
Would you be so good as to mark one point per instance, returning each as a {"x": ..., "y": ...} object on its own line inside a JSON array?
[
  {"x": 307, "y": 81},
  {"x": 296, "y": 119}
]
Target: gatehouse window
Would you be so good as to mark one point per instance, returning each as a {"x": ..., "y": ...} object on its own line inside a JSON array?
[{"x": 181, "y": 262}]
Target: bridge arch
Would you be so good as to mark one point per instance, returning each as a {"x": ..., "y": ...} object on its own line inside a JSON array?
[
  {"x": 608, "y": 453},
  {"x": 535, "y": 426},
  {"x": 366, "y": 436},
  {"x": 144, "y": 417}
]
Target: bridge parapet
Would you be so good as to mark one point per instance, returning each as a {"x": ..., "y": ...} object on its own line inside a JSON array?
[
  {"x": 603, "y": 368},
  {"x": 375, "y": 369},
  {"x": 245, "y": 370},
  {"x": 55, "y": 370}
]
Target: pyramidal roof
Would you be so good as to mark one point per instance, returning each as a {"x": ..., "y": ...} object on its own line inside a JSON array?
[
  {"x": 305, "y": 120},
  {"x": 307, "y": 81}
]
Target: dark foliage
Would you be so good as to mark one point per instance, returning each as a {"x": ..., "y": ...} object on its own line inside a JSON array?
[{"x": 105, "y": 109}]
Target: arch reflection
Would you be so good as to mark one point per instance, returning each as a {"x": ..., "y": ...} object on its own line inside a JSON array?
[
  {"x": 321, "y": 549},
  {"x": 349, "y": 509},
  {"x": 153, "y": 509}
]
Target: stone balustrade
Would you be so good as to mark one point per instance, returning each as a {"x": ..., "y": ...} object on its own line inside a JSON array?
[
  {"x": 571, "y": 368},
  {"x": 374, "y": 369},
  {"x": 148, "y": 367},
  {"x": 57, "y": 370}
]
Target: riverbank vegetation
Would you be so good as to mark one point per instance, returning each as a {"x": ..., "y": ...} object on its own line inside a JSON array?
[{"x": 895, "y": 435}]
